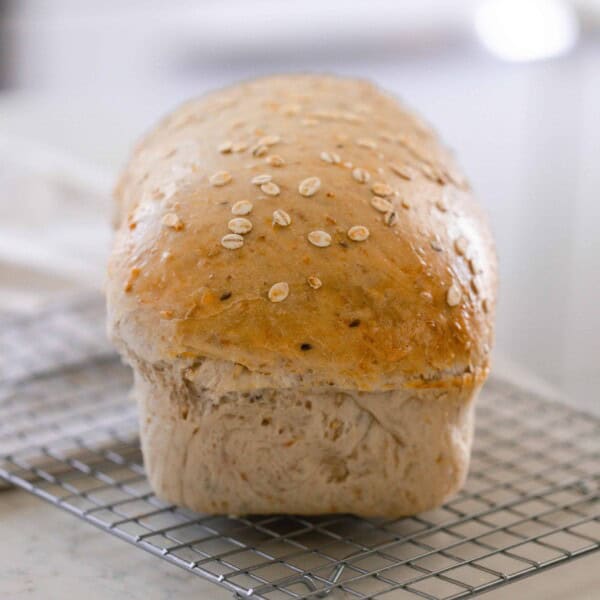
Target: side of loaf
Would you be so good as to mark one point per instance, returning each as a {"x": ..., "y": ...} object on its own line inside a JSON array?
[
  {"x": 305, "y": 288},
  {"x": 301, "y": 451}
]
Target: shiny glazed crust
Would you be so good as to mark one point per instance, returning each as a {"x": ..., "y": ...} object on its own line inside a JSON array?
[{"x": 410, "y": 306}]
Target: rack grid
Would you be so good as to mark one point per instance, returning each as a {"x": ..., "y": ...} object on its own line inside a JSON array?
[{"x": 68, "y": 434}]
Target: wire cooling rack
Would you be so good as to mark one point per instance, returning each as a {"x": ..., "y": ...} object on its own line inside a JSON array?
[{"x": 68, "y": 435}]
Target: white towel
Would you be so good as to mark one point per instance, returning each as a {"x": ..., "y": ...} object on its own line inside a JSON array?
[{"x": 54, "y": 232}]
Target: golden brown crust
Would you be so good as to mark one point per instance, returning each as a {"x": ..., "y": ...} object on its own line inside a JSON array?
[{"x": 411, "y": 304}]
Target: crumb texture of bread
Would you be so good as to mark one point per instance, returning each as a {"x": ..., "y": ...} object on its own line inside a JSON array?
[
  {"x": 305, "y": 287},
  {"x": 299, "y": 451}
]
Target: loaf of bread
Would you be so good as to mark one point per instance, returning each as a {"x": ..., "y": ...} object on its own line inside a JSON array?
[{"x": 305, "y": 288}]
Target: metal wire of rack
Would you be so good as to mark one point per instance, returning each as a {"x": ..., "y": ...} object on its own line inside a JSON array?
[{"x": 68, "y": 434}]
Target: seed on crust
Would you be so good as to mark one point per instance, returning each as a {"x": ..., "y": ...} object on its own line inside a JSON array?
[
  {"x": 381, "y": 204},
  {"x": 165, "y": 192},
  {"x": 358, "y": 233},
  {"x": 476, "y": 285},
  {"x": 270, "y": 188},
  {"x": 268, "y": 140},
  {"x": 220, "y": 178},
  {"x": 473, "y": 265},
  {"x": 225, "y": 147},
  {"x": 275, "y": 160},
  {"x": 279, "y": 292},
  {"x": 173, "y": 221},
  {"x": 314, "y": 282},
  {"x": 309, "y": 186},
  {"x": 405, "y": 203},
  {"x": 366, "y": 143},
  {"x": 442, "y": 204},
  {"x": 361, "y": 175},
  {"x": 281, "y": 218},
  {"x": 260, "y": 179},
  {"x": 485, "y": 305},
  {"x": 382, "y": 189},
  {"x": 330, "y": 157},
  {"x": 259, "y": 150},
  {"x": 461, "y": 245},
  {"x": 239, "y": 146},
  {"x": 454, "y": 295},
  {"x": 242, "y": 207},
  {"x": 403, "y": 171},
  {"x": 319, "y": 238},
  {"x": 429, "y": 171},
  {"x": 133, "y": 275},
  {"x": 240, "y": 225},
  {"x": 390, "y": 218},
  {"x": 232, "y": 241}
]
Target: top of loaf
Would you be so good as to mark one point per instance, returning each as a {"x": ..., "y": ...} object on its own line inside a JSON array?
[{"x": 369, "y": 265}]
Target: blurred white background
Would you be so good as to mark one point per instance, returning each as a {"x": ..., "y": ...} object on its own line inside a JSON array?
[{"x": 513, "y": 86}]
